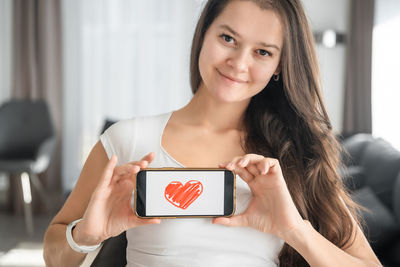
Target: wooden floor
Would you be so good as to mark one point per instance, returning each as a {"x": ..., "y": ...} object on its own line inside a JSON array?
[
  {"x": 17, "y": 248},
  {"x": 13, "y": 231}
]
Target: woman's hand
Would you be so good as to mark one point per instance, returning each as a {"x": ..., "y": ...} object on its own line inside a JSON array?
[
  {"x": 109, "y": 211},
  {"x": 271, "y": 209}
]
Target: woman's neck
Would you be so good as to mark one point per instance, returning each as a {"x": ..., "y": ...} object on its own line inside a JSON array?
[{"x": 206, "y": 111}]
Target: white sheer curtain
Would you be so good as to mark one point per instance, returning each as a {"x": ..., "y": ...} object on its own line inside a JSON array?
[
  {"x": 122, "y": 58},
  {"x": 385, "y": 71},
  {"x": 5, "y": 49}
]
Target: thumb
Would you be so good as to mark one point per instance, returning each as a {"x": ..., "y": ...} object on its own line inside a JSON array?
[
  {"x": 135, "y": 221},
  {"x": 236, "y": 220}
]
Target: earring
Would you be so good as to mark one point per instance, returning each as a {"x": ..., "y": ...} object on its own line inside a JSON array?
[{"x": 276, "y": 77}]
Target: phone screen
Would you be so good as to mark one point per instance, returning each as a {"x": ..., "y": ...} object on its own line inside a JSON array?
[{"x": 184, "y": 193}]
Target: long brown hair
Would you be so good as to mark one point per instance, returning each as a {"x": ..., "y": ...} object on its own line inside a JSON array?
[{"x": 287, "y": 120}]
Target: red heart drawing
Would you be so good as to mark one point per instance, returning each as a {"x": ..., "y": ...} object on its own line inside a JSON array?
[{"x": 182, "y": 196}]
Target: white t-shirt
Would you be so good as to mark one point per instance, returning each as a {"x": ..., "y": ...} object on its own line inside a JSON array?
[{"x": 184, "y": 242}]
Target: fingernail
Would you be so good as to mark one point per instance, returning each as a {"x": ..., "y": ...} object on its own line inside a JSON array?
[
  {"x": 230, "y": 165},
  {"x": 241, "y": 162}
]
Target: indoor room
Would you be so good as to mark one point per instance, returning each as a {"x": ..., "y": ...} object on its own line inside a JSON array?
[{"x": 301, "y": 93}]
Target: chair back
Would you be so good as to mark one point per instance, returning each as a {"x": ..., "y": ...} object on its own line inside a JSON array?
[{"x": 24, "y": 125}]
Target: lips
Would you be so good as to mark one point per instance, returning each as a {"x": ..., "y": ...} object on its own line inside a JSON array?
[{"x": 230, "y": 78}]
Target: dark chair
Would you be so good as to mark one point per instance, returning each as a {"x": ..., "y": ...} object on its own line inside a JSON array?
[
  {"x": 373, "y": 177},
  {"x": 112, "y": 253},
  {"x": 27, "y": 141}
]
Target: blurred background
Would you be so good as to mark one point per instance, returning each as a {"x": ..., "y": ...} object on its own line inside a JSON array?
[{"x": 69, "y": 66}]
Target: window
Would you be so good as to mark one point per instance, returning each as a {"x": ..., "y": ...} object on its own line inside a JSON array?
[
  {"x": 385, "y": 72},
  {"x": 121, "y": 59}
]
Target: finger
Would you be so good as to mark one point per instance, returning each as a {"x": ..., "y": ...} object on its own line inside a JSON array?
[
  {"x": 149, "y": 157},
  {"x": 135, "y": 166},
  {"x": 242, "y": 172},
  {"x": 244, "y": 162},
  {"x": 262, "y": 163},
  {"x": 128, "y": 173},
  {"x": 239, "y": 160},
  {"x": 148, "y": 221},
  {"x": 235, "y": 160},
  {"x": 142, "y": 164},
  {"x": 144, "y": 161},
  {"x": 126, "y": 168},
  {"x": 108, "y": 171},
  {"x": 249, "y": 162},
  {"x": 269, "y": 165},
  {"x": 230, "y": 163},
  {"x": 253, "y": 169},
  {"x": 252, "y": 158},
  {"x": 248, "y": 159},
  {"x": 263, "y": 166},
  {"x": 134, "y": 221},
  {"x": 236, "y": 220},
  {"x": 222, "y": 165}
]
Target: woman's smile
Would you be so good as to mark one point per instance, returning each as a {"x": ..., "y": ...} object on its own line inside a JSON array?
[{"x": 230, "y": 79}]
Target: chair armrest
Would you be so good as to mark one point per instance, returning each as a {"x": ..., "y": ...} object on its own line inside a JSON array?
[
  {"x": 353, "y": 177},
  {"x": 382, "y": 228},
  {"x": 396, "y": 198}
]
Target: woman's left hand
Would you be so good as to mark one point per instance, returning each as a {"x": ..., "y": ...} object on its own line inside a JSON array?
[{"x": 271, "y": 209}]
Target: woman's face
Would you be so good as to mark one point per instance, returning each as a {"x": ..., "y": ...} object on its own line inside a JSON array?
[{"x": 241, "y": 51}]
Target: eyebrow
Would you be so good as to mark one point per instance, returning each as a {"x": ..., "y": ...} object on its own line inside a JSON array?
[{"x": 226, "y": 27}]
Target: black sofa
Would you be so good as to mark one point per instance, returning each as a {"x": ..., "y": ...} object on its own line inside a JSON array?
[{"x": 372, "y": 174}]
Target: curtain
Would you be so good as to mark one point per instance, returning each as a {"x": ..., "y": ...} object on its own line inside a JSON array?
[
  {"x": 5, "y": 65},
  {"x": 357, "y": 101},
  {"x": 37, "y": 67},
  {"x": 5, "y": 49},
  {"x": 122, "y": 59}
]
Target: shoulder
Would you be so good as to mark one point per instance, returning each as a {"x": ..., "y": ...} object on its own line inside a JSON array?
[
  {"x": 121, "y": 137},
  {"x": 129, "y": 126}
]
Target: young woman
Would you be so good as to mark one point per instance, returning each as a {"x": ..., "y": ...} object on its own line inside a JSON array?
[{"x": 257, "y": 109}]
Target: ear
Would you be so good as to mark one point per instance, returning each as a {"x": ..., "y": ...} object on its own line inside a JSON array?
[{"x": 278, "y": 69}]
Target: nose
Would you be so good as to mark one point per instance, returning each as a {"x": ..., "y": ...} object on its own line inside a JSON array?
[{"x": 239, "y": 61}]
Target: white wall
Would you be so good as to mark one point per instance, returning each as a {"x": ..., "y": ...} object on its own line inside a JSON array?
[{"x": 323, "y": 15}]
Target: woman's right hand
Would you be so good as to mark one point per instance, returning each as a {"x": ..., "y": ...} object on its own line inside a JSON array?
[{"x": 109, "y": 212}]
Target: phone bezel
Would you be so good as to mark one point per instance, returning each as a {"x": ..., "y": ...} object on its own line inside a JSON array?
[{"x": 229, "y": 194}]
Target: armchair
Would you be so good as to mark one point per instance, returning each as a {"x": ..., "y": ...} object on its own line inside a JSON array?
[{"x": 27, "y": 141}]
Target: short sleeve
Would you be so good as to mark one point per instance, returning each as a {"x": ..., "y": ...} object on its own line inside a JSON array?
[{"x": 120, "y": 140}]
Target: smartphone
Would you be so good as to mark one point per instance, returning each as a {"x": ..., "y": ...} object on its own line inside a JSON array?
[{"x": 184, "y": 192}]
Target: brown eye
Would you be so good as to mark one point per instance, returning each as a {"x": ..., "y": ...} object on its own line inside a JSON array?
[{"x": 227, "y": 38}]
